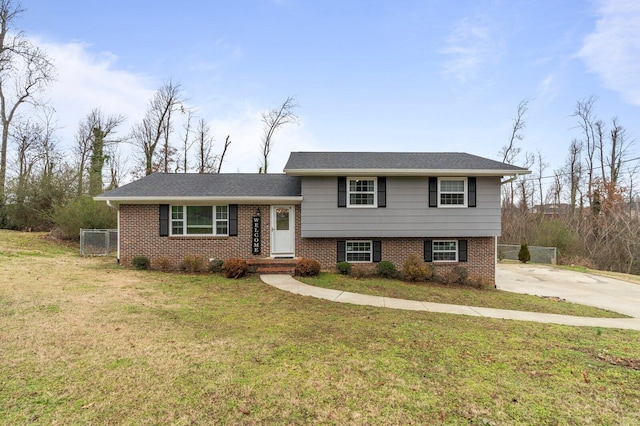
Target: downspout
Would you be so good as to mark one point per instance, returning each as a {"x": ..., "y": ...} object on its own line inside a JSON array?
[{"x": 118, "y": 228}]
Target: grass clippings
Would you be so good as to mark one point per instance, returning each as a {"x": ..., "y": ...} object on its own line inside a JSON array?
[{"x": 85, "y": 342}]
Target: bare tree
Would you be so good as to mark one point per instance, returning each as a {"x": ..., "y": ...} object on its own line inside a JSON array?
[
  {"x": 618, "y": 148},
  {"x": 632, "y": 172},
  {"x": 586, "y": 121},
  {"x": 526, "y": 189},
  {"x": 611, "y": 148},
  {"x": 95, "y": 133},
  {"x": 27, "y": 137},
  {"x": 510, "y": 152},
  {"x": 186, "y": 142},
  {"x": 573, "y": 166},
  {"x": 599, "y": 144},
  {"x": 208, "y": 161},
  {"x": 25, "y": 71},
  {"x": 541, "y": 168},
  {"x": 204, "y": 142},
  {"x": 116, "y": 164},
  {"x": 273, "y": 120},
  {"x": 557, "y": 187},
  {"x": 157, "y": 122}
]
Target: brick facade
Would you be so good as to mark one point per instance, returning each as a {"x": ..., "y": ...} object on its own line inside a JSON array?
[
  {"x": 481, "y": 254},
  {"x": 139, "y": 236}
]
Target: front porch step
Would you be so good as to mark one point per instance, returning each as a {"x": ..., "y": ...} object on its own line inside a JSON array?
[
  {"x": 276, "y": 270},
  {"x": 272, "y": 266}
]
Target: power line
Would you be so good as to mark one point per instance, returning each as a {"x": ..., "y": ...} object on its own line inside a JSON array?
[{"x": 536, "y": 178}]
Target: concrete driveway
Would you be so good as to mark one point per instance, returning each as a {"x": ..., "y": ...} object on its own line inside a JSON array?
[{"x": 586, "y": 289}]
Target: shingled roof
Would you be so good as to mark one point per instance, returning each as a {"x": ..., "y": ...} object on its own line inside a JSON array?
[
  {"x": 158, "y": 186},
  {"x": 404, "y": 163},
  {"x": 252, "y": 187}
]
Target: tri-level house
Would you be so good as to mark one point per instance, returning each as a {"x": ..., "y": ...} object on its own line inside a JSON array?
[{"x": 360, "y": 207}]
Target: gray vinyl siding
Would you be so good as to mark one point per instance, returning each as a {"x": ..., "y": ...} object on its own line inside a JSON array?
[{"x": 407, "y": 213}]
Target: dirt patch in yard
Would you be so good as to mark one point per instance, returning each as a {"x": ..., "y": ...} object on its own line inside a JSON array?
[{"x": 633, "y": 364}]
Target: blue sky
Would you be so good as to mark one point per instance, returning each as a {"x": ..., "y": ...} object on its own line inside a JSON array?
[{"x": 431, "y": 75}]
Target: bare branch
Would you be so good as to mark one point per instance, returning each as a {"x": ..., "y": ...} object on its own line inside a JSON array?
[
  {"x": 227, "y": 142},
  {"x": 273, "y": 120},
  {"x": 510, "y": 152},
  {"x": 157, "y": 122}
]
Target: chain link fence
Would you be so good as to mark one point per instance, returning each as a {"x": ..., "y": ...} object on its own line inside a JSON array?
[
  {"x": 538, "y": 254},
  {"x": 98, "y": 242}
]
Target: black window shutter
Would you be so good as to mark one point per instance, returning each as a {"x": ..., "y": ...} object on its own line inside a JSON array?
[
  {"x": 163, "y": 211},
  {"x": 342, "y": 251},
  {"x": 233, "y": 220},
  {"x": 471, "y": 200},
  {"x": 377, "y": 251},
  {"x": 462, "y": 250},
  {"x": 428, "y": 249},
  {"x": 382, "y": 191},
  {"x": 342, "y": 191},
  {"x": 433, "y": 192}
]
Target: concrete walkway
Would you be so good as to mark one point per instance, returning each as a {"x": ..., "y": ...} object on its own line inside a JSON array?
[{"x": 288, "y": 283}]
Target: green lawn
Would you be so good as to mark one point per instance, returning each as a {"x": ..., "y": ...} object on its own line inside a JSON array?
[
  {"x": 454, "y": 294},
  {"x": 84, "y": 342}
]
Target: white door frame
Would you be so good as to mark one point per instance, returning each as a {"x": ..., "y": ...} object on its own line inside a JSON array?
[{"x": 292, "y": 230}]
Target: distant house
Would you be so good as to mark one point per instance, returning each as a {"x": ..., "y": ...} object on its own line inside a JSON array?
[
  {"x": 554, "y": 209},
  {"x": 360, "y": 207}
]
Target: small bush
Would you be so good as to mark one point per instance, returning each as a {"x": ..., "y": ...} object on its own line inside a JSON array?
[
  {"x": 386, "y": 269},
  {"x": 415, "y": 269},
  {"x": 523, "y": 255},
  {"x": 307, "y": 267},
  {"x": 456, "y": 275},
  {"x": 83, "y": 212},
  {"x": 359, "y": 271},
  {"x": 163, "y": 263},
  {"x": 215, "y": 266},
  {"x": 343, "y": 268},
  {"x": 141, "y": 262},
  {"x": 235, "y": 268},
  {"x": 461, "y": 273},
  {"x": 193, "y": 264},
  {"x": 481, "y": 283}
]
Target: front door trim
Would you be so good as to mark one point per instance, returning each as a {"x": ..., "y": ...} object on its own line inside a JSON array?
[{"x": 289, "y": 243}]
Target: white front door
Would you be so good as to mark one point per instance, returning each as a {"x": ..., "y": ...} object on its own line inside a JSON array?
[{"x": 282, "y": 230}]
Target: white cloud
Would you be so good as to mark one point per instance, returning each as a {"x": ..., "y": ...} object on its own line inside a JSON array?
[
  {"x": 86, "y": 80},
  {"x": 469, "y": 47},
  {"x": 613, "y": 49},
  {"x": 547, "y": 89}
]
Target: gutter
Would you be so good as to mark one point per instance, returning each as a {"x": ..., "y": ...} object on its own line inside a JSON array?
[
  {"x": 111, "y": 201},
  {"x": 511, "y": 179}
]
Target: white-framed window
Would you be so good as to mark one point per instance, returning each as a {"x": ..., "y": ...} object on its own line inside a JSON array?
[
  {"x": 445, "y": 250},
  {"x": 452, "y": 192},
  {"x": 359, "y": 251},
  {"x": 361, "y": 192},
  {"x": 199, "y": 220}
]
